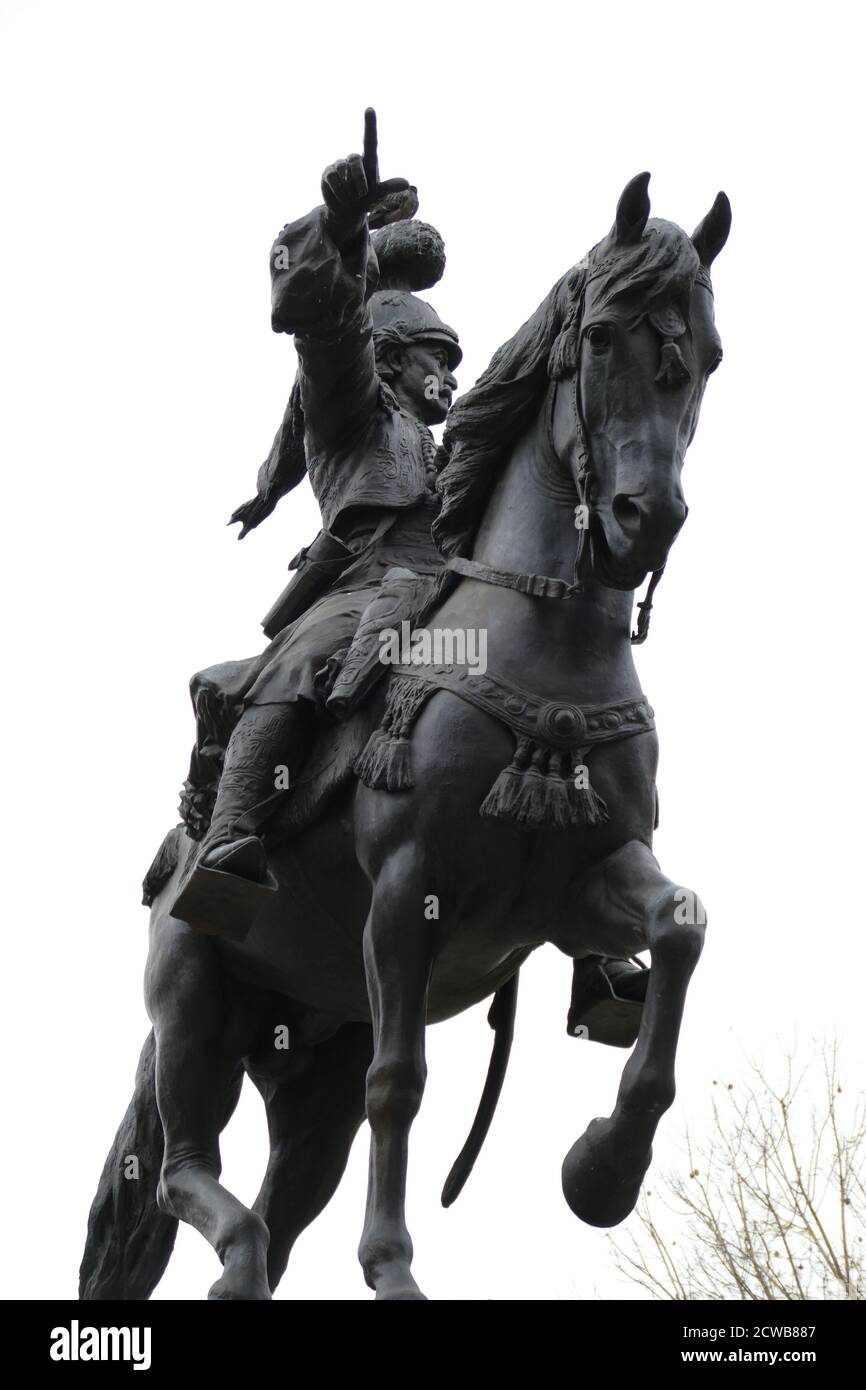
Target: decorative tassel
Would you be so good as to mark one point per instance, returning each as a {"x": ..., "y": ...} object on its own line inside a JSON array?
[
  {"x": 673, "y": 370},
  {"x": 589, "y": 807},
  {"x": 165, "y": 862},
  {"x": 381, "y": 768},
  {"x": 557, "y": 804},
  {"x": 534, "y": 791},
  {"x": 501, "y": 800},
  {"x": 531, "y": 801},
  {"x": 386, "y": 762},
  {"x": 563, "y": 357}
]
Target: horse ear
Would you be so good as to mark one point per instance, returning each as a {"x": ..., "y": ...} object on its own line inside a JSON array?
[
  {"x": 632, "y": 210},
  {"x": 710, "y": 235}
]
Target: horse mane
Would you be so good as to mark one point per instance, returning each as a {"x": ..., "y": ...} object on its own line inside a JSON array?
[{"x": 484, "y": 425}]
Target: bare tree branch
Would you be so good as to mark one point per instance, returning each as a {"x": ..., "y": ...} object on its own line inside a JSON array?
[{"x": 774, "y": 1202}]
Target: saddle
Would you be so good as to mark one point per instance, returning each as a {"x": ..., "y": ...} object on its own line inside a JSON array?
[{"x": 351, "y": 693}]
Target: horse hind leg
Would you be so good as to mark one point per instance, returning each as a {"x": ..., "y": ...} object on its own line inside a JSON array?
[
  {"x": 198, "y": 1079},
  {"x": 603, "y": 1171},
  {"x": 312, "y": 1122}
]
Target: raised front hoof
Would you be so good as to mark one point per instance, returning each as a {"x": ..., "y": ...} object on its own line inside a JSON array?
[{"x": 602, "y": 1174}]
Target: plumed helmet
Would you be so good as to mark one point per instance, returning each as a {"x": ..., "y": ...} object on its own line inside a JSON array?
[{"x": 410, "y": 256}]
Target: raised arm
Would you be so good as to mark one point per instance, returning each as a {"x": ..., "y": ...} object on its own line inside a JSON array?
[{"x": 319, "y": 268}]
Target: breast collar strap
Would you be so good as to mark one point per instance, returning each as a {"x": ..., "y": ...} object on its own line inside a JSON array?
[{"x": 535, "y": 585}]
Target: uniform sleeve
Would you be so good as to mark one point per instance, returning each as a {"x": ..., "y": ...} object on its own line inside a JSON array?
[{"x": 320, "y": 296}]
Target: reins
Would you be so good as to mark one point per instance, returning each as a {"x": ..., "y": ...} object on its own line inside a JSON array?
[{"x": 542, "y": 585}]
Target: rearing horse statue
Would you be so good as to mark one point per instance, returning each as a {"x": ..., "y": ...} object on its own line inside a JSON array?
[{"x": 520, "y": 801}]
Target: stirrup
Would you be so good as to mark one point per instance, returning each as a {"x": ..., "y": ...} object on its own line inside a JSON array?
[
  {"x": 607, "y": 998},
  {"x": 222, "y": 901}
]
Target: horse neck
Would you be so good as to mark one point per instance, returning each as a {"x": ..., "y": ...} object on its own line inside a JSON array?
[{"x": 579, "y": 645}]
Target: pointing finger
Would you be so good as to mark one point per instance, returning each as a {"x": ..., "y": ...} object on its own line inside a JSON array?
[{"x": 371, "y": 151}]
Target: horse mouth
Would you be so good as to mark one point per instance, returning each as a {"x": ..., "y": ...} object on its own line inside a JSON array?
[{"x": 605, "y": 567}]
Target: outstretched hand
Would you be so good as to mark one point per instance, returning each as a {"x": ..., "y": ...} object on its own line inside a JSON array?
[{"x": 352, "y": 186}]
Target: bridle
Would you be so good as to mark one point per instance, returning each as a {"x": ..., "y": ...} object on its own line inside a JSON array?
[
  {"x": 539, "y": 585},
  {"x": 583, "y": 479}
]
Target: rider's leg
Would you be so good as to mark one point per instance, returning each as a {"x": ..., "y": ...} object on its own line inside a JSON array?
[
  {"x": 228, "y": 879},
  {"x": 273, "y": 733},
  {"x": 267, "y": 740}
]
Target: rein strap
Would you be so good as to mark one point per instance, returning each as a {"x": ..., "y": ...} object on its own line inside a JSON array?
[{"x": 645, "y": 608}]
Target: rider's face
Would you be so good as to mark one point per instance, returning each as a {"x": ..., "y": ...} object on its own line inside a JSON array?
[{"x": 424, "y": 383}]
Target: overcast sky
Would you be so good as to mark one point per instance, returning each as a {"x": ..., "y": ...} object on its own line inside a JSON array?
[{"x": 150, "y": 155}]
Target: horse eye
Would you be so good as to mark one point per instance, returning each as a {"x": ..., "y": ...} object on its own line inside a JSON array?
[
  {"x": 599, "y": 337},
  {"x": 713, "y": 365}
]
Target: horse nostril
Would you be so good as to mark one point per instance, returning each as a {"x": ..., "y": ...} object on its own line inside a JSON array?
[{"x": 626, "y": 513}]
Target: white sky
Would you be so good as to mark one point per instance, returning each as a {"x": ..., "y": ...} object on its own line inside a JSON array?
[{"x": 150, "y": 155}]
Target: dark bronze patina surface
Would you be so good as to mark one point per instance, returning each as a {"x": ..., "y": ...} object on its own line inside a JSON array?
[{"x": 363, "y": 851}]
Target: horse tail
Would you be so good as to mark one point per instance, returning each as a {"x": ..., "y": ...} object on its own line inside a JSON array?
[
  {"x": 129, "y": 1240},
  {"x": 501, "y": 1020}
]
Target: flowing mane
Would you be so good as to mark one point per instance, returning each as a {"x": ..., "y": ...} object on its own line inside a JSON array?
[{"x": 484, "y": 425}]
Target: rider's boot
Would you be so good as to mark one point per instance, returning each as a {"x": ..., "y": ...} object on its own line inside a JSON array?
[{"x": 230, "y": 881}]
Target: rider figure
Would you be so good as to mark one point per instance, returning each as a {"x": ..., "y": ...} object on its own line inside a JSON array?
[{"x": 375, "y": 372}]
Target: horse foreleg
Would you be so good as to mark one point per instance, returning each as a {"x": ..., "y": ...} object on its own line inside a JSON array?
[
  {"x": 625, "y": 895},
  {"x": 399, "y": 947}
]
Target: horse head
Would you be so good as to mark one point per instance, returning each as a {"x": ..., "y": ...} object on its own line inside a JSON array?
[{"x": 628, "y": 371}]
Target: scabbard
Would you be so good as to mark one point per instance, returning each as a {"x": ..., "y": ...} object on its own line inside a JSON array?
[{"x": 403, "y": 596}]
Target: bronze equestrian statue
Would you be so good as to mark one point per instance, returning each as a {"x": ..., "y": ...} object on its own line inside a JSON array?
[{"x": 369, "y": 848}]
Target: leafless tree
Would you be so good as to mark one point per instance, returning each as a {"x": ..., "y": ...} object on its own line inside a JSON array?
[{"x": 770, "y": 1204}]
